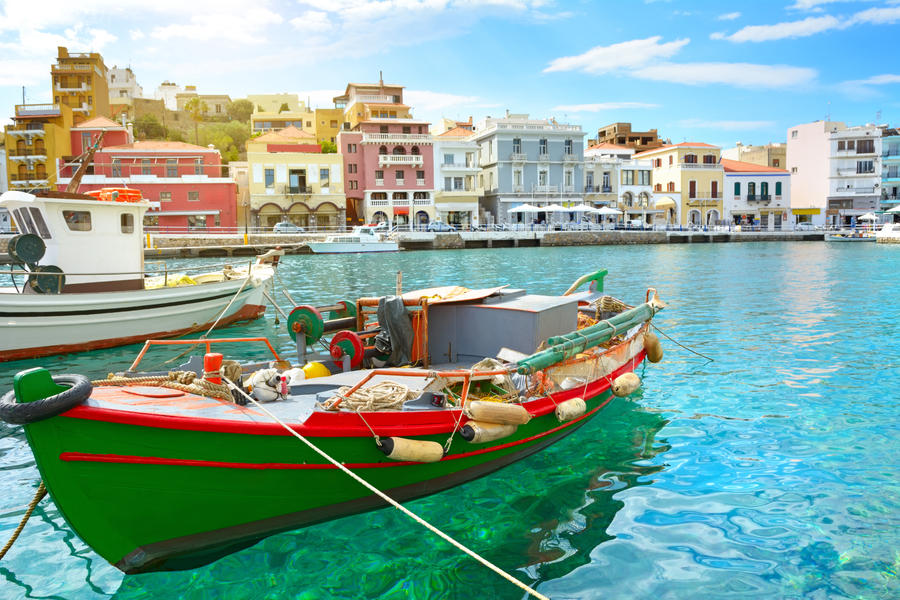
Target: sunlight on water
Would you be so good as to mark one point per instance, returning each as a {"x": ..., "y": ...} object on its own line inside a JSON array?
[{"x": 771, "y": 472}]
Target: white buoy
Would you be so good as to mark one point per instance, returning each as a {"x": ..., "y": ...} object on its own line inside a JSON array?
[
  {"x": 479, "y": 432},
  {"x": 498, "y": 412},
  {"x": 626, "y": 384},
  {"x": 653, "y": 347},
  {"x": 570, "y": 409},
  {"x": 397, "y": 448}
]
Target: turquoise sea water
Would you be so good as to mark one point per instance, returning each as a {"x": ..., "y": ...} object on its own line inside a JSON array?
[{"x": 771, "y": 472}]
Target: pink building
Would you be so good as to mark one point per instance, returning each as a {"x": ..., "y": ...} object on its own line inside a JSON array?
[
  {"x": 187, "y": 180},
  {"x": 389, "y": 171}
]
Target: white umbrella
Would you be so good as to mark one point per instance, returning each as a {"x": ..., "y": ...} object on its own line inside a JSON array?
[
  {"x": 580, "y": 208},
  {"x": 868, "y": 217},
  {"x": 555, "y": 208},
  {"x": 896, "y": 209},
  {"x": 523, "y": 208},
  {"x": 608, "y": 211}
]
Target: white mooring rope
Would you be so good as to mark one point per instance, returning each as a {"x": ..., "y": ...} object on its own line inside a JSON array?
[{"x": 390, "y": 500}]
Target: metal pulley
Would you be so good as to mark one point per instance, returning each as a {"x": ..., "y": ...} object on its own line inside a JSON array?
[
  {"x": 347, "y": 309},
  {"x": 47, "y": 279},
  {"x": 307, "y": 320},
  {"x": 350, "y": 344},
  {"x": 27, "y": 248}
]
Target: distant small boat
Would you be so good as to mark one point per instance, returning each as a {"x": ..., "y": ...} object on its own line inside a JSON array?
[
  {"x": 851, "y": 236},
  {"x": 365, "y": 238},
  {"x": 91, "y": 290}
]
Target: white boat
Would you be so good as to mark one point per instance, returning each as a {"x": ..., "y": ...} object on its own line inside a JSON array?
[
  {"x": 851, "y": 236},
  {"x": 889, "y": 234},
  {"x": 365, "y": 238},
  {"x": 87, "y": 288}
]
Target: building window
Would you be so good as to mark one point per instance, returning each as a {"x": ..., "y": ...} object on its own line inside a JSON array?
[
  {"x": 606, "y": 180},
  {"x": 671, "y": 159},
  {"x": 383, "y": 129},
  {"x": 145, "y": 166},
  {"x": 193, "y": 196},
  {"x": 398, "y": 175},
  {"x": 568, "y": 148},
  {"x": 126, "y": 223},
  {"x": 382, "y": 150},
  {"x": 379, "y": 177},
  {"x": 793, "y": 169},
  {"x": 517, "y": 178},
  {"x": 171, "y": 167},
  {"x": 865, "y": 166},
  {"x": 643, "y": 177},
  {"x": 517, "y": 145},
  {"x": 542, "y": 144},
  {"x": 737, "y": 188},
  {"x": 794, "y": 133},
  {"x": 351, "y": 148},
  {"x": 841, "y": 145},
  {"x": 351, "y": 168},
  {"x": 776, "y": 162},
  {"x": 407, "y": 129},
  {"x": 353, "y": 185},
  {"x": 448, "y": 184},
  {"x": 777, "y": 188},
  {"x": 709, "y": 159},
  {"x": 165, "y": 196},
  {"x": 690, "y": 159},
  {"x": 324, "y": 177},
  {"x": 751, "y": 189},
  {"x": 865, "y": 147},
  {"x": 420, "y": 175},
  {"x": 670, "y": 187},
  {"x": 457, "y": 183},
  {"x": 270, "y": 178},
  {"x": 568, "y": 177},
  {"x": 116, "y": 168},
  {"x": 764, "y": 188},
  {"x": 627, "y": 177},
  {"x": 198, "y": 166},
  {"x": 542, "y": 178},
  {"x": 448, "y": 159}
]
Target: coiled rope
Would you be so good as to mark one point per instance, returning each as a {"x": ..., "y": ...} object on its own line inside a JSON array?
[
  {"x": 38, "y": 496},
  {"x": 388, "y": 499},
  {"x": 185, "y": 381},
  {"x": 384, "y": 395}
]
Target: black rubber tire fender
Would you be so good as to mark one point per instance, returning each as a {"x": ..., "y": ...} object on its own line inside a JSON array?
[{"x": 16, "y": 413}]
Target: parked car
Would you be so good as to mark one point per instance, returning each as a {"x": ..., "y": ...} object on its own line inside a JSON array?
[
  {"x": 440, "y": 226},
  {"x": 287, "y": 227},
  {"x": 806, "y": 227}
]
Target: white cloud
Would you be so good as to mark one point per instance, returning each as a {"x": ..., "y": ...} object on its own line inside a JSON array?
[
  {"x": 791, "y": 29},
  {"x": 877, "y": 16},
  {"x": 428, "y": 101},
  {"x": 20, "y": 72},
  {"x": 725, "y": 125},
  {"x": 630, "y": 54},
  {"x": 813, "y": 5},
  {"x": 745, "y": 75},
  {"x": 315, "y": 21},
  {"x": 885, "y": 79},
  {"x": 236, "y": 27},
  {"x": 729, "y": 16},
  {"x": 136, "y": 34},
  {"x": 600, "y": 106}
]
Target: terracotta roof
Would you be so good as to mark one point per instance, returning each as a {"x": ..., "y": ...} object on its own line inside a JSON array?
[
  {"x": 158, "y": 145},
  {"x": 288, "y": 134},
  {"x": 98, "y": 123},
  {"x": 681, "y": 145},
  {"x": 456, "y": 132},
  {"x": 739, "y": 166}
]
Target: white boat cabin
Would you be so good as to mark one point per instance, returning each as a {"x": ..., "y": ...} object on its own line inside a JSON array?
[{"x": 98, "y": 244}]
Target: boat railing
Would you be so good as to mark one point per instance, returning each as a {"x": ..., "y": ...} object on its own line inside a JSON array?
[
  {"x": 164, "y": 272},
  {"x": 206, "y": 342}
]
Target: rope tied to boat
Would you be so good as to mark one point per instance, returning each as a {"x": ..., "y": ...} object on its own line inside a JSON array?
[
  {"x": 184, "y": 381},
  {"x": 38, "y": 496},
  {"x": 384, "y": 395},
  {"x": 387, "y": 498},
  {"x": 680, "y": 344}
]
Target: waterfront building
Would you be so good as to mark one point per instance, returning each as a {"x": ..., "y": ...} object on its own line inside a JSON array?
[
  {"x": 890, "y": 169},
  {"x": 239, "y": 172},
  {"x": 367, "y": 101},
  {"x": 525, "y": 160},
  {"x": 687, "y": 181},
  {"x": 166, "y": 91},
  {"x": 216, "y": 105},
  {"x": 290, "y": 179},
  {"x": 622, "y": 135},
  {"x": 613, "y": 178},
  {"x": 274, "y": 112},
  {"x": 123, "y": 86},
  {"x": 769, "y": 155},
  {"x": 78, "y": 81},
  {"x": 757, "y": 195},
  {"x": 854, "y": 177},
  {"x": 37, "y": 139},
  {"x": 186, "y": 180},
  {"x": 456, "y": 173},
  {"x": 808, "y": 156},
  {"x": 448, "y": 124}
]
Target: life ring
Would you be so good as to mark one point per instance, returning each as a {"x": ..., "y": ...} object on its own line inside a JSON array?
[{"x": 31, "y": 412}]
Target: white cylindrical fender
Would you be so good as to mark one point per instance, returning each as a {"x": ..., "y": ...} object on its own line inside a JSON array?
[
  {"x": 570, "y": 409},
  {"x": 626, "y": 384},
  {"x": 479, "y": 432},
  {"x": 397, "y": 448},
  {"x": 653, "y": 347},
  {"x": 498, "y": 412}
]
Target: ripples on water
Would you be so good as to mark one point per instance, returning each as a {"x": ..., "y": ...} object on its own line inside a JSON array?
[{"x": 771, "y": 472}]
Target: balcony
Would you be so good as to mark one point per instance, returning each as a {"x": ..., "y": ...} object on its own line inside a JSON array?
[
  {"x": 569, "y": 189},
  {"x": 420, "y": 182},
  {"x": 37, "y": 110},
  {"x": 543, "y": 157},
  {"x": 379, "y": 182},
  {"x": 597, "y": 189},
  {"x": 518, "y": 157},
  {"x": 28, "y": 154},
  {"x": 686, "y": 165},
  {"x": 854, "y": 191},
  {"x": 457, "y": 166},
  {"x": 891, "y": 152},
  {"x": 759, "y": 198},
  {"x": 422, "y": 202},
  {"x": 71, "y": 67},
  {"x": 704, "y": 197},
  {"x": 400, "y": 138},
  {"x": 400, "y": 181},
  {"x": 545, "y": 189},
  {"x": 298, "y": 189},
  {"x": 518, "y": 189},
  {"x": 570, "y": 158},
  {"x": 21, "y": 131},
  {"x": 387, "y": 160},
  {"x": 852, "y": 172},
  {"x": 83, "y": 88}
]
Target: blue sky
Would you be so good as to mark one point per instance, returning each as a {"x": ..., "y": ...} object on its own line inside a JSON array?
[{"x": 717, "y": 72}]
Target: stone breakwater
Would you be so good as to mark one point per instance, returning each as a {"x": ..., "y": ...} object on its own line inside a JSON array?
[{"x": 186, "y": 246}]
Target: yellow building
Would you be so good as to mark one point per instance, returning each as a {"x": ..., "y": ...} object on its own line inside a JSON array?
[
  {"x": 37, "y": 138},
  {"x": 79, "y": 82},
  {"x": 328, "y": 124},
  {"x": 274, "y": 112},
  {"x": 291, "y": 180},
  {"x": 366, "y": 101},
  {"x": 687, "y": 182}
]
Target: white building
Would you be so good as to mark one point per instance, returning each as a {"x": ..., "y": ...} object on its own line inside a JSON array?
[
  {"x": 167, "y": 92},
  {"x": 835, "y": 171},
  {"x": 757, "y": 195},
  {"x": 456, "y": 177},
  {"x": 612, "y": 177},
  {"x": 123, "y": 86}
]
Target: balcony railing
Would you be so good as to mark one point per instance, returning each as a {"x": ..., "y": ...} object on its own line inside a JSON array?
[
  {"x": 544, "y": 189},
  {"x": 853, "y": 171},
  {"x": 854, "y": 191},
  {"x": 570, "y": 158},
  {"x": 597, "y": 189},
  {"x": 759, "y": 198},
  {"x": 422, "y": 202},
  {"x": 705, "y": 196},
  {"x": 298, "y": 189},
  {"x": 420, "y": 182},
  {"x": 687, "y": 165},
  {"x": 518, "y": 157},
  {"x": 82, "y": 88},
  {"x": 401, "y": 138},
  {"x": 543, "y": 157},
  {"x": 891, "y": 152},
  {"x": 400, "y": 159},
  {"x": 71, "y": 67}
]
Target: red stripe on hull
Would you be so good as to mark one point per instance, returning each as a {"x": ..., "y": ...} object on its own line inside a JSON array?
[
  {"x": 183, "y": 462},
  {"x": 345, "y": 424},
  {"x": 246, "y": 313}
]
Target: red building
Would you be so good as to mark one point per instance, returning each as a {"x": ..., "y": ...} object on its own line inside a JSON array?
[{"x": 187, "y": 180}]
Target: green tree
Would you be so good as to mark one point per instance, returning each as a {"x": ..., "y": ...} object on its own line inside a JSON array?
[
  {"x": 148, "y": 127},
  {"x": 196, "y": 108},
  {"x": 175, "y": 135},
  {"x": 230, "y": 138},
  {"x": 329, "y": 147},
  {"x": 240, "y": 110},
  {"x": 284, "y": 107}
]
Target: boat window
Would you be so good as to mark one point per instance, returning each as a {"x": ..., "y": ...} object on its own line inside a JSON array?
[
  {"x": 42, "y": 228},
  {"x": 78, "y": 220},
  {"x": 20, "y": 224},
  {"x": 25, "y": 220},
  {"x": 127, "y": 223}
]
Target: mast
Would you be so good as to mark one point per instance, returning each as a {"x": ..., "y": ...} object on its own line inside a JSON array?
[{"x": 85, "y": 163}]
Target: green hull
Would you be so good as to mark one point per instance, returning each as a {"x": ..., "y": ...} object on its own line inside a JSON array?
[{"x": 151, "y": 498}]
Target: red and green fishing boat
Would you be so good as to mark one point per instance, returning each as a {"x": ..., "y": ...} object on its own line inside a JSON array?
[{"x": 166, "y": 471}]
